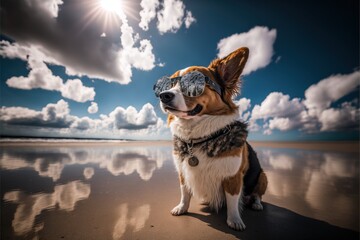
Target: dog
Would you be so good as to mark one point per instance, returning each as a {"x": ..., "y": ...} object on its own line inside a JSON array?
[{"x": 214, "y": 161}]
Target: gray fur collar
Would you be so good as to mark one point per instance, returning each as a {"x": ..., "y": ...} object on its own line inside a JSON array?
[{"x": 230, "y": 137}]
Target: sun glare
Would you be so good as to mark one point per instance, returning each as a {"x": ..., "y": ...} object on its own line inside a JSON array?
[{"x": 112, "y": 6}]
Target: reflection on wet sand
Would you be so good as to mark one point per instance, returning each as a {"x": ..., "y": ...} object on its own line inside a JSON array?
[
  {"x": 135, "y": 219},
  {"x": 88, "y": 172},
  {"x": 50, "y": 161},
  {"x": 133, "y": 187},
  {"x": 30, "y": 206},
  {"x": 322, "y": 185}
]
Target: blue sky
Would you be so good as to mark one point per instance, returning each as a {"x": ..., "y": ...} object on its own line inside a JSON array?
[{"x": 61, "y": 57}]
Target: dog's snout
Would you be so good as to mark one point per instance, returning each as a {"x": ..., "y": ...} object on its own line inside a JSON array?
[{"x": 166, "y": 96}]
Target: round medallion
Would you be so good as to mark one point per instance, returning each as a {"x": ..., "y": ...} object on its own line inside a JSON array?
[{"x": 193, "y": 161}]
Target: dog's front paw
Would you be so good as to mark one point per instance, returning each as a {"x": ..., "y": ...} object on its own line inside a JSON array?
[
  {"x": 257, "y": 206},
  {"x": 236, "y": 223},
  {"x": 179, "y": 210}
]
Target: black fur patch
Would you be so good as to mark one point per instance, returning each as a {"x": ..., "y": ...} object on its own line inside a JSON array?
[{"x": 252, "y": 175}]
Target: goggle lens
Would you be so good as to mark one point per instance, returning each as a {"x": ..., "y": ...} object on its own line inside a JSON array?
[{"x": 192, "y": 84}]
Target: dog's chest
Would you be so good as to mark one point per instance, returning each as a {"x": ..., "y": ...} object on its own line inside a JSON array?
[{"x": 212, "y": 166}]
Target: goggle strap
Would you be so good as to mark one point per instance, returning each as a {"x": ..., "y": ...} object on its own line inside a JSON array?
[{"x": 214, "y": 85}]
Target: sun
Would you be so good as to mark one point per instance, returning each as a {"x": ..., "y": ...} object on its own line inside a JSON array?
[
  {"x": 111, "y": 13},
  {"x": 112, "y": 6}
]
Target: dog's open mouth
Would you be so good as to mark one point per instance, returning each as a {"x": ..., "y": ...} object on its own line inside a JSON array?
[{"x": 196, "y": 110}]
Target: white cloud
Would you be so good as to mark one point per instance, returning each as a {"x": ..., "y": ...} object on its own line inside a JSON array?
[
  {"x": 121, "y": 122},
  {"x": 52, "y": 115},
  {"x": 84, "y": 123},
  {"x": 93, "y": 108},
  {"x": 40, "y": 76},
  {"x": 75, "y": 90},
  {"x": 189, "y": 19},
  {"x": 259, "y": 40},
  {"x": 320, "y": 96},
  {"x": 314, "y": 114},
  {"x": 277, "y": 104},
  {"x": 171, "y": 16},
  {"x": 244, "y": 105},
  {"x": 147, "y": 13},
  {"x": 346, "y": 117},
  {"x": 131, "y": 119},
  {"x": 283, "y": 124}
]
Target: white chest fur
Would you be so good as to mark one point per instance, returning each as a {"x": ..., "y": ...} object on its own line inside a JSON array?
[{"x": 205, "y": 180}]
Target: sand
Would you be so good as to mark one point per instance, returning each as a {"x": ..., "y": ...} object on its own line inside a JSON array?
[{"x": 126, "y": 191}]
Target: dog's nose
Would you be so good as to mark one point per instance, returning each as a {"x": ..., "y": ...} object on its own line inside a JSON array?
[{"x": 166, "y": 96}]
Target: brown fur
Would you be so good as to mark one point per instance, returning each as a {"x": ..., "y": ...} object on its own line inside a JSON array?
[
  {"x": 233, "y": 185},
  {"x": 181, "y": 178},
  {"x": 261, "y": 185},
  {"x": 232, "y": 153}
]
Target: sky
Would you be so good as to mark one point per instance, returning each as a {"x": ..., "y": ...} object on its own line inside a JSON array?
[{"x": 86, "y": 68}]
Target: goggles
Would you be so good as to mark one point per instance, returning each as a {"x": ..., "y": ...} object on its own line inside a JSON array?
[{"x": 192, "y": 84}]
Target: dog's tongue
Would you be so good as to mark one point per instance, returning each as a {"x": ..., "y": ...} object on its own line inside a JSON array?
[{"x": 195, "y": 111}]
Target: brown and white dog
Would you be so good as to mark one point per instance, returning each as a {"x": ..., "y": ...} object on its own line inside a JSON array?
[{"x": 214, "y": 161}]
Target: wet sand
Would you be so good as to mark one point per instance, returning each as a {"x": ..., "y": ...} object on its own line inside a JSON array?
[{"x": 126, "y": 191}]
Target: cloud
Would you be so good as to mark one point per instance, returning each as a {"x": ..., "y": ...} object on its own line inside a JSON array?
[
  {"x": 87, "y": 53},
  {"x": 147, "y": 13},
  {"x": 121, "y": 122},
  {"x": 40, "y": 76},
  {"x": 313, "y": 114},
  {"x": 244, "y": 105},
  {"x": 319, "y": 96},
  {"x": 52, "y": 116},
  {"x": 84, "y": 123},
  {"x": 345, "y": 118},
  {"x": 189, "y": 19},
  {"x": 171, "y": 16},
  {"x": 276, "y": 104},
  {"x": 75, "y": 90},
  {"x": 259, "y": 40},
  {"x": 93, "y": 108},
  {"x": 131, "y": 119}
]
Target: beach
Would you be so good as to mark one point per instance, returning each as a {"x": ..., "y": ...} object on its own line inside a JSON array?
[{"x": 125, "y": 190}]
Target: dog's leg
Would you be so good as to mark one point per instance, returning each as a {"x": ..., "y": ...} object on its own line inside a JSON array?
[
  {"x": 233, "y": 188},
  {"x": 233, "y": 215},
  {"x": 257, "y": 203},
  {"x": 184, "y": 204},
  {"x": 259, "y": 191}
]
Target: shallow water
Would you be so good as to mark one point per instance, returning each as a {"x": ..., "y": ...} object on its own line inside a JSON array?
[{"x": 105, "y": 191}]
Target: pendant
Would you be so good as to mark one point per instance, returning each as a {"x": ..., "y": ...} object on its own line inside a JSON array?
[{"x": 193, "y": 161}]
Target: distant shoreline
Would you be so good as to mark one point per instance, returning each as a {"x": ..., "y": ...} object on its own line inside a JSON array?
[{"x": 346, "y": 146}]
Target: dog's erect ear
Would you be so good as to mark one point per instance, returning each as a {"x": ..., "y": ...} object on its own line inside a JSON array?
[{"x": 230, "y": 67}]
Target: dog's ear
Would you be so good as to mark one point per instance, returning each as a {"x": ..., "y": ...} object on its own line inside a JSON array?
[{"x": 230, "y": 68}]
